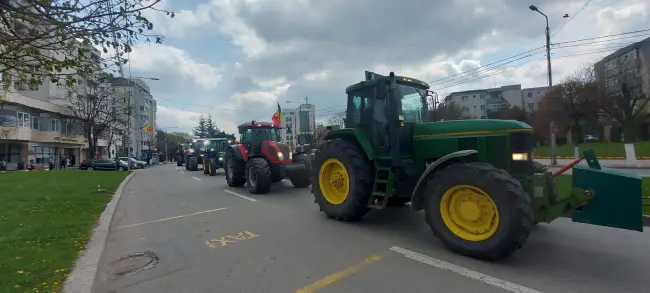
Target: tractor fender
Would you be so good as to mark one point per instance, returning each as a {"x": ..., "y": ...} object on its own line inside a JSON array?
[
  {"x": 239, "y": 151},
  {"x": 417, "y": 199}
]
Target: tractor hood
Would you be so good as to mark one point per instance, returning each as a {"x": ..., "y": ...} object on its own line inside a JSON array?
[{"x": 475, "y": 127}]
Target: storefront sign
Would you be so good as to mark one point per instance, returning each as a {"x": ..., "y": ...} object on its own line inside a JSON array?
[{"x": 67, "y": 139}]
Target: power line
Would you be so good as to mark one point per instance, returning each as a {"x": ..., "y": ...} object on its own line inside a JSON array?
[{"x": 574, "y": 15}]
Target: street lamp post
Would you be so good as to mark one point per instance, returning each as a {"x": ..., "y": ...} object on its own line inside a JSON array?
[
  {"x": 550, "y": 82},
  {"x": 166, "y": 141}
]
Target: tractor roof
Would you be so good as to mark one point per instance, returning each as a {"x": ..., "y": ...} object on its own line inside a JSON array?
[
  {"x": 400, "y": 80},
  {"x": 257, "y": 124}
]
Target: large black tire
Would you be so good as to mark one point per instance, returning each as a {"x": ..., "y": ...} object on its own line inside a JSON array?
[
  {"x": 276, "y": 174},
  {"x": 187, "y": 164},
  {"x": 258, "y": 176},
  {"x": 235, "y": 171},
  {"x": 361, "y": 174},
  {"x": 206, "y": 167},
  {"x": 212, "y": 167},
  {"x": 179, "y": 161},
  {"x": 301, "y": 179},
  {"x": 512, "y": 203},
  {"x": 193, "y": 163},
  {"x": 540, "y": 168}
]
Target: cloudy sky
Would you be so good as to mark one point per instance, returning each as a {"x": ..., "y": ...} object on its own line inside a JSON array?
[{"x": 235, "y": 59}]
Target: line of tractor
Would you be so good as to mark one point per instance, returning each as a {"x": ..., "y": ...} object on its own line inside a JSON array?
[{"x": 476, "y": 180}]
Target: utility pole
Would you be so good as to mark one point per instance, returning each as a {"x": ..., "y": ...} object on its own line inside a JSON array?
[
  {"x": 166, "y": 142},
  {"x": 553, "y": 142}
]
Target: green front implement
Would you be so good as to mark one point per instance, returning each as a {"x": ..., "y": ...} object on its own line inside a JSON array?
[{"x": 600, "y": 196}]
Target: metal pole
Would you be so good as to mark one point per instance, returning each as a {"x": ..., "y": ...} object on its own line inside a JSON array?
[{"x": 550, "y": 86}]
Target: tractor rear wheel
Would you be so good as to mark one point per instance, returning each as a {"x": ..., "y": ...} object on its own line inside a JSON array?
[
  {"x": 301, "y": 179},
  {"x": 212, "y": 167},
  {"x": 187, "y": 163},
  {"x": 179, "y": 161},
  {"x": 258, "y": 176},
  {"x": 478, "y": 210},
  {"x": 343, "y": 179},
  {"x": 193, "y": 163},
  {"x": 235, "y": 171}
]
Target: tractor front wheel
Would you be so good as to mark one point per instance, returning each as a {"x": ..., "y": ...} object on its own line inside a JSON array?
[
  {"x": 179, "y": 161},
  {"x": 478, "y": 210},
  {"x": 234, "y": 171},
  {"x": 258, "y": 176},
  {"x": 212, "y": 166},
  {"x": 187, "y": 164},
  {"x": 342, "y": 179},
  {"x": 301, "y": 179},
  {"x": 206, "y": 167},
  {"x": 193, "y": 163}
]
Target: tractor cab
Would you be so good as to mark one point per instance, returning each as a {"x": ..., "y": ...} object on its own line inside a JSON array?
[
  {"x": 214, "y": 154},
  {"x": 253, "y": 134}
]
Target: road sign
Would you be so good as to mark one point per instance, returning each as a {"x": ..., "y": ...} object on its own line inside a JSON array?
[{"x": 553, "y": 127}]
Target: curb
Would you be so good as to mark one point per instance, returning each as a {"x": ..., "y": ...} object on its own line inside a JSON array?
[
  {"x": 646, "y": 219},
  {"x": 83, "y": 273}
]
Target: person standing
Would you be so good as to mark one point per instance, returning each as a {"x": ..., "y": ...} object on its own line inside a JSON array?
[{"x": 62, "y": 163}]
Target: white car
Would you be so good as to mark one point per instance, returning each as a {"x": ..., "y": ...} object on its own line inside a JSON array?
[{"x": 134, "y": 163}]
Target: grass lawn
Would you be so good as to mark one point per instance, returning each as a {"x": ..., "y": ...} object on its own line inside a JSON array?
[
  {"x": 564, "y": 187},
  {"x": 603, "y": 150},
  {"x": 46, "y": 219}
]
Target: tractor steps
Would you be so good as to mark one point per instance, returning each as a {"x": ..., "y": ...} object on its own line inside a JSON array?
[{"x": 382, "y": 188}]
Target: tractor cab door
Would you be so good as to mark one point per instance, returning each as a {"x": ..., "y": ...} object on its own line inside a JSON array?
[{"x": 369, "y": 110}]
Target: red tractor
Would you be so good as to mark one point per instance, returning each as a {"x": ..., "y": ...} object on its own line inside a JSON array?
[{"x": 260, "y": 159}]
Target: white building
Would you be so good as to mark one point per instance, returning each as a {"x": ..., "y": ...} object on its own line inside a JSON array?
[
  {"x": 478, "y": 102},
  {"x": 299, "y": 124}
]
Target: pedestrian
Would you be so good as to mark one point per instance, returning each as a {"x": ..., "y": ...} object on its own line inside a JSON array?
[{"x": 62, "y": 163}]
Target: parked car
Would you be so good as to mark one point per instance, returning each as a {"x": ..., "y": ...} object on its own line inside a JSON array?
[
  {"x": 134, "y": 163},
  {"x": 103, "y": 165},
  {"x": 591, "y": 138}
]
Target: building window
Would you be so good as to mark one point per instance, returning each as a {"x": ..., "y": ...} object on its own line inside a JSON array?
[
  {"x": 69, "y": 127},
  {"x": 24, "y": 120},
  {"x": 13, "y": 156},
  {"x": 482, "y": 97},
  {"x": 482, "y": 107},
  {"x": 530, "y": 95},
  {"x": 464, "y": 98},
  {"x": 55, "y": 125},
  {"x": 36, "y": 123},
  {"x": 43, "y": 155},
  {"x": 483, "y": 117},
  {"x": 531, "y": 105}
]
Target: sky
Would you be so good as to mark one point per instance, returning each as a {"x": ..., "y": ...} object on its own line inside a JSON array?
[{"x": 237, "y": 59}]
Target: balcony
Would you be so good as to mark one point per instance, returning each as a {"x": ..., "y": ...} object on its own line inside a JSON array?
[{"x": 55, "y": 137}]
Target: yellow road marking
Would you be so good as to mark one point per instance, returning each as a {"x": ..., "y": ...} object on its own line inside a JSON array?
[
  {"x": 171, "y": 218},
  {"x": 340, "y": 275}
]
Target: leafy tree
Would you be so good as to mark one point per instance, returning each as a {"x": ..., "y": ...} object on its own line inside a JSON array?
[
  {"x": 50, "y": 39},
  {"x": 447, "y": 111},
  {"x": 513, "y": 113},
  {"x": 212, "y": 129},
  {"x": 202, "y": 128}
]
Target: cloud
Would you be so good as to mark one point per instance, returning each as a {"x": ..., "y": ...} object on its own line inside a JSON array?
[
  {"x": 165, "y": 59},
  {"x": 184, "y": 23}
]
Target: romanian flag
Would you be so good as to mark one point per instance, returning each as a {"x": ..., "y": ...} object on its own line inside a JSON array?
[
  {"x": 277, "y": 116},
  {"x": 148, "y": 128}
]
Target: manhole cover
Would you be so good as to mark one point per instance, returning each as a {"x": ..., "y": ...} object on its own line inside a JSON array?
[{"x": 133, "y": 263}]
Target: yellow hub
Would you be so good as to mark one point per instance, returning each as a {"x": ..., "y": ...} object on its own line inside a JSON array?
[
  {"x": 469, "y": 213},
  {"x": 334, "y": 181}
]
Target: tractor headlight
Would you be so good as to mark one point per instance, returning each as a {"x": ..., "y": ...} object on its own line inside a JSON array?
[
  {"x": 220, "y": 159},
  {"x": 191, "y": 151},
  {"x": 290, "y": 156},
  {"x": 520, "y": 157},
  {"x": 280, "y": 157},
  {"x": 201, "y": 155}
]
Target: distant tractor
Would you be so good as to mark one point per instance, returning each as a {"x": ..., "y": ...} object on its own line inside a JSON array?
[
  {"x": 194, "y": 155},
  {"x": 179, "y": 155},
  {"x": 214, "y": 155},
  {"x": 475, "y": 179},
  {"x": 261, "y": 159}
]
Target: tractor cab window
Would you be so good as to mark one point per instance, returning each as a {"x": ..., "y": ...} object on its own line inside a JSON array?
[
  {"x": 411, "y": 105},
  {"x": 245, "y": 135},
  {"x": 358, "y": 107},
  {"x": 267, "y": 133}
]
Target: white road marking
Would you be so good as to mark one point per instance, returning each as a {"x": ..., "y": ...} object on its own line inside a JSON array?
[
  {"x": 197, "y": 179},
  {"x": 239, "y": 195},
  {"x": 443, "y": 265},
  {"x": 182, "y": 171}
]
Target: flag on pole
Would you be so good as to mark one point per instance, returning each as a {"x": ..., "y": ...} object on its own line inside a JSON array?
[
  {"x": 277, "y": 116},
  {"x": 148, "y": 128}
]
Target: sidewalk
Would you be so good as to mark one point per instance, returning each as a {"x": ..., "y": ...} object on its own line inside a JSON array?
[{"x": 618, "y": 164}]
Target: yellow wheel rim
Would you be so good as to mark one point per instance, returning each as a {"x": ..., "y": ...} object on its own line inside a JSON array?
[
  {"x": 469, "y": 213},
  {"x": 334, "y": 181}
]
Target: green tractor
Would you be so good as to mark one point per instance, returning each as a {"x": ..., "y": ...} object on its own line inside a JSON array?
[
  {"x": 194, "y": 155},
  {"x": 214, "y": 155},
  {"x": 181, "y": 149},
  {"x": 475, "y": 179}
]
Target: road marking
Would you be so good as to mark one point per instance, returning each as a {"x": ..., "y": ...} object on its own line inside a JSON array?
[
  {"x": 197, "y": 179},
  {"x": 239, "y": 195},
  {"x": 443, "y": 265},
  {"x": 340, "y": 275},
  {"x": 241, "y": 236},
  {"x": 171, "y": 218},
  {"x": 182, "y": 171}
]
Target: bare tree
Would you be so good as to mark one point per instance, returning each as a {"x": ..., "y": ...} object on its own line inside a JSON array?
[
  {"x": 41, "y": 39},
  {"x": 337, "y": 119},
  {"x": 447, "y": 111},
  {"x": 97, "y": 108}
]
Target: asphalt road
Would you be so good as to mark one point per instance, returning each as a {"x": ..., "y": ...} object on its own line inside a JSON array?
[{"x": 185, "y": 232}]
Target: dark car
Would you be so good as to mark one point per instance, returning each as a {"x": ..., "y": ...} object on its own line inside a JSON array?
[{"x": 104, "y": 165}]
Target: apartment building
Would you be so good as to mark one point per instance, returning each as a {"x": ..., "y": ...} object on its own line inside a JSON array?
[
  {"x": 630, "y": 66},
  {"x": 480, "y": 102},
  {"x": 299, "y": 125}
]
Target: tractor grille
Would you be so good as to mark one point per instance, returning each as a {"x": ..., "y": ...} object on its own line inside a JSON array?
[
  {"x": 522, "y": 142},
  {"x": 285, "y": 149}
]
